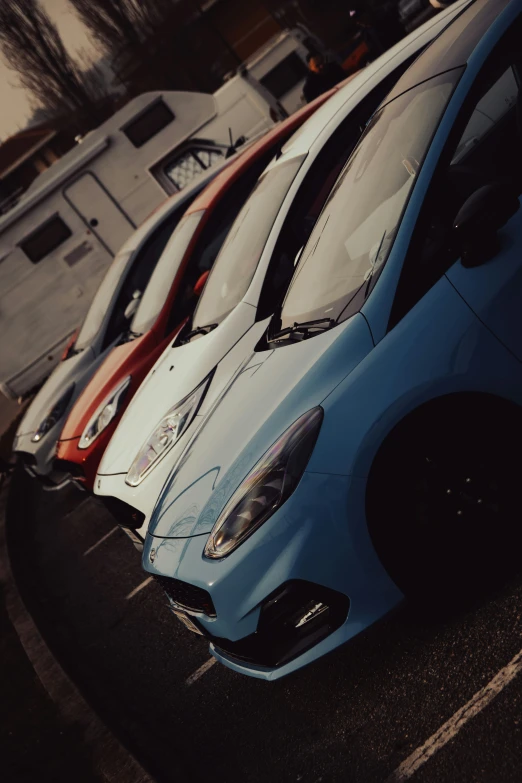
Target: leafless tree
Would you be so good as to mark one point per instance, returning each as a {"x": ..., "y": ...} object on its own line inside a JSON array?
[
  {"x": 116, "y": 24},
  {"x": 31, "y": 45}
]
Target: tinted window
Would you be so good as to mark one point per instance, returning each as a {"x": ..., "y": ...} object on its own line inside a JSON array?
[
  {"x": 491, "y": 108},
  {"x": 285, "y": 76},
  {"x": 164, "y": 274},
  {"x": 486, "y": 151},
  {"x": 236, "y": 263},
  {"x": 134, "y": 279},
  {"x": 45, "y": 239},
  {"x": 148, "y": 124},
  {"x": 354, "y": 234}
]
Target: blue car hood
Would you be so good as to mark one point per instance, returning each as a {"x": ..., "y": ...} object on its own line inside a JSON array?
[{"x": 268, "y": 393}]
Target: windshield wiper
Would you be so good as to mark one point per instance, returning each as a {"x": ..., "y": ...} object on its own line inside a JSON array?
[
  {"x": 304, "y": 329},
  {"x": 199, "y": 330}
]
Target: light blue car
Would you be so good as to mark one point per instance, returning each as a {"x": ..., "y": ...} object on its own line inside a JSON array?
[{"x": 370, "y": 447}]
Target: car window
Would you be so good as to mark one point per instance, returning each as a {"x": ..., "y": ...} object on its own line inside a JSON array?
[
  {"x": 97, "y": 311},
  {"x": 486, "y": 151},
  {"x": 309, "y": 201},
  {"x": 214, "y": 234},
  {"x": 491, "y": 108},
  {"x": 355, "y": 232},
  {"x": 159, "y": 286},
  {"x": 235, "y": 266}
]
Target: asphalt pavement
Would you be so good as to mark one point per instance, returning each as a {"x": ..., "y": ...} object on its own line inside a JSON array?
[{"x": 427, "y": 696}]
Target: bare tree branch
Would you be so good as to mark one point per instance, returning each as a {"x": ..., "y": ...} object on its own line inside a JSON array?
[
  {"x": 116, "y": 24},
  {"x": 32, "y": 46}
]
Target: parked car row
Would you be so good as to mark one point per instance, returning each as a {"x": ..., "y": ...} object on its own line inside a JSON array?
[{"x": 302, "y": 397}]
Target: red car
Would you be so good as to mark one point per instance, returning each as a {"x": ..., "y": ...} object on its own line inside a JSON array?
[{"x": 168, "y": 300}]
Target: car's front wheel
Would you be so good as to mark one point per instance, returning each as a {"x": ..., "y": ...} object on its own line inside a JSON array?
[{"x": 444, "y": 499}]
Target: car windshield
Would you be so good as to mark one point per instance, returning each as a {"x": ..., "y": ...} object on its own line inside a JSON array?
[
  {"x": 164, "y": 274},
  {"x": 355, "y": 231},
  {"x": 102, "y": 300},
  {"x": 236, "y": 264}
]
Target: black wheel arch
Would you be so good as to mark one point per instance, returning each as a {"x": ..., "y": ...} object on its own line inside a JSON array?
[{"x": 475, "y": 408}]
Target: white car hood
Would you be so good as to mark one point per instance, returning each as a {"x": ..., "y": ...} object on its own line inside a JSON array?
[
  {"x": 176, "y": 374},
  {"x": 65, "y": 374},
  {"x": 264, "y": 397}
]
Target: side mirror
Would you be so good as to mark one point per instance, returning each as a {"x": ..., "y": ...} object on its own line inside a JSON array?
[
  {"x": 133, "y": 305},
  {"x": 480, "y": 218},
  {"x": 198, "y": 288}
]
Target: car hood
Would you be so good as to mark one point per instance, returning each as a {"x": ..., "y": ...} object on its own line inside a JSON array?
[
  {"x": 267, "y": 394},
  {"x": 176, "y": 374},
  {"x": 118, "y": 364},
  {"x": 63, "y": 376}
]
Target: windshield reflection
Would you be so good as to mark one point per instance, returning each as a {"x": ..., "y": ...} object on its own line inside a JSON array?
[{"x": 355, "y": 232}]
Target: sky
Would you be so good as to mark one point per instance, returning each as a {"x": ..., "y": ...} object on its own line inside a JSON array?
[{"x": 13, "y": 99}]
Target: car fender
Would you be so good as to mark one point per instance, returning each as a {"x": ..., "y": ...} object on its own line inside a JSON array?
[{"x": 439, "y": 348}]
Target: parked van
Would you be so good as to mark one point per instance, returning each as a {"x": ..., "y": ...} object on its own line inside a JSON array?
[
  {"x": 58, "y": 240},
  {"x": 281, "y": 66}
]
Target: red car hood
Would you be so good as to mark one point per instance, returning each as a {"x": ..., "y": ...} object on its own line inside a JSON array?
[{"x": 124, "y": 360}]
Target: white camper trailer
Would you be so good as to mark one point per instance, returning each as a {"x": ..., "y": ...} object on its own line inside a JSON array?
[{"x": 57, "y": 242}]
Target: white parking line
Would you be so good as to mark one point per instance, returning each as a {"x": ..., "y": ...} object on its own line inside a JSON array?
[
  {"x": 449, "y": 729},
  {"x": 97, "y": 544},
  {"x": 139, "y": 588},
  {"x": 201, "y": 671}
]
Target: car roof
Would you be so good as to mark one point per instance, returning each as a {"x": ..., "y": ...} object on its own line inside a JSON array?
[
  {"x": 312, "y": 131},
  {"x": 211, "y": 195},
  {"x": 454, "y": 46},
  {"x": 169, "y": 206}
]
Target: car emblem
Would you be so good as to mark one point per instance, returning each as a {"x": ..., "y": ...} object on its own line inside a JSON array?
[{"x": 152, "y": 555}]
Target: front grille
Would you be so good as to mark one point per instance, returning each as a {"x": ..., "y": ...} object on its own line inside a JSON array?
[
  {"x": 188, "y": 596},
  {"x": 72, "y": 468},
  {"x": 125, "y": 515},
  {"x": 27, "y": 459}
]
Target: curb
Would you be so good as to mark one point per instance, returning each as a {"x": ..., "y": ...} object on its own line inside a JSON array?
[{"x": 111, "y": 760}]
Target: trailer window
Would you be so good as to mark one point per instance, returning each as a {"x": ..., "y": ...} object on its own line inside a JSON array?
[
  {"x": 45, "y": 239},
  {"x": 186, "y": 167},
  {"x": 148, "y": 124},
  {"x": 285, "y": 76}
]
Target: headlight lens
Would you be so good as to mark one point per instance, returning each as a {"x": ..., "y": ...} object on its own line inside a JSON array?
[
  {"x": 168, "y": 431},
  {"x": 269, "y": 484},
  {"x": 54, "y": 415},
  {"x": 104, "y": 414}
]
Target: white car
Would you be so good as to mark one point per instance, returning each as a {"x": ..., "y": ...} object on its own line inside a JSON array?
[
  {"x": 246, "y": 283},
  {"x": 107, "y": 320}
]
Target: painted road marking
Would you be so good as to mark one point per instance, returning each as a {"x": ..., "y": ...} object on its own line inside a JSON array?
[
  {"x": 97, "y": 544},
  {"x": 451, "y": 728},
  {"x": 139, "y": 588},
  {"x": 201, "y": 671}
]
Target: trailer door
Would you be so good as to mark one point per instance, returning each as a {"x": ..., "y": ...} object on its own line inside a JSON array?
[{"x": 100, "y": 212}]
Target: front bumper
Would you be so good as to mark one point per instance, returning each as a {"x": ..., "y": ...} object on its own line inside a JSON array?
[
  {"x": 141, "y": 500},
  {"x": 318, "y": 539},
  {"x": 38, "y": 458}
]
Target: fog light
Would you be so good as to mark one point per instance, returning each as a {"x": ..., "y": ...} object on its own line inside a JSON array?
[{"x": 293, "y": 619}]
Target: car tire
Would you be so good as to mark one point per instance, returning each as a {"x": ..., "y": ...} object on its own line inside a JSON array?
[{"x": 443, "y": 505}]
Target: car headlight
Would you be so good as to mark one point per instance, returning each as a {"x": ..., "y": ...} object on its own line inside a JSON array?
[
  {"x": 268, "y": 485},
  {"x": 54, "y": 415},
  {"x": 105, "y": 413},
  {"x": 167, "y": 432}
]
